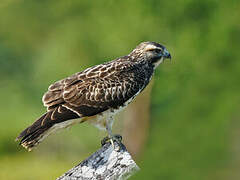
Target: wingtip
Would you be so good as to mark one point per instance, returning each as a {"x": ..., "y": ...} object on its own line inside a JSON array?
[
  {"x": 23, "y": 144},
  {"x": 29, "y": 149},
  {"x": 18, "y": 138}
]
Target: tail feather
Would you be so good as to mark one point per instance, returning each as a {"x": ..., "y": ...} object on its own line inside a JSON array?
[
  {"x": 45, "y": 125},
  {"x": 33, "y": 134},
  {"x": 29, "y": 130},
  {"x": 31, "y": 140}
]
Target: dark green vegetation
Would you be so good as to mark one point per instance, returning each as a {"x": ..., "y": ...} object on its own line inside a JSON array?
[{"x": 194, "y": 132}]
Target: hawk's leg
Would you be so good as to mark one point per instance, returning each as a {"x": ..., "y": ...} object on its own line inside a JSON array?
[
  {"x": 110, "y": 136},
  {"x": 109, "y": 123}
]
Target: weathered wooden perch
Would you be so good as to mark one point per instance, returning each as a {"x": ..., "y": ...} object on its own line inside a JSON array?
[{"x": 106, "y": 163}]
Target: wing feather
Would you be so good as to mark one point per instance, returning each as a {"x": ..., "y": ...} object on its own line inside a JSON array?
[{"x": 96, "y": 89}]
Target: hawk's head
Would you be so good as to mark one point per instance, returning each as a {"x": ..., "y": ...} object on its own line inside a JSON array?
[{"x": 152, "y": 52}]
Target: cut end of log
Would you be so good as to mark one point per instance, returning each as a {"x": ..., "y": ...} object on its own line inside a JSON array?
[{"x": 106, "y": 163}]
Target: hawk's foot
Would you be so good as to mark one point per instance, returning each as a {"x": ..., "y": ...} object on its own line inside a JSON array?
[{"x": 115, "y": 138}]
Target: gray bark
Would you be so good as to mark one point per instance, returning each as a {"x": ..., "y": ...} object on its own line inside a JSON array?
[{"x": 106, "y": 163}]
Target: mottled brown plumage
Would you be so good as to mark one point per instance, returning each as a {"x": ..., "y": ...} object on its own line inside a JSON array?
[{"x": 97, "y": 92}]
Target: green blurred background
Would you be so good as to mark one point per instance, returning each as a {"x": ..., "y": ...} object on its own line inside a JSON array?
[{"x": 192, "y": 128}]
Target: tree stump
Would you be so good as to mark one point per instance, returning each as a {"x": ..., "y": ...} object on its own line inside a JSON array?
[{"x": 106, "y": 163}]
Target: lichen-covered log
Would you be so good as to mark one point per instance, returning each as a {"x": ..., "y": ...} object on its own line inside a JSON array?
[{"x": 106, "y": 163}]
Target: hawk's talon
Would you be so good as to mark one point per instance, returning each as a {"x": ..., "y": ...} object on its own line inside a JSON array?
[
  {"x": 118, "y": 138},
  {"x": 115, "y": 138},
  {"x": 105, "y": 140}
]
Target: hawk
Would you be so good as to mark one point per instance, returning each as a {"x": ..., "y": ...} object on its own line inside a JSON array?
[{"x": 96, "y": 94}]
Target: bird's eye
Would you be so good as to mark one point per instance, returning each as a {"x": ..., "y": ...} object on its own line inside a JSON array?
[
  {"x": 155, "y": 50},
  {"x": 158, "y": 50}
]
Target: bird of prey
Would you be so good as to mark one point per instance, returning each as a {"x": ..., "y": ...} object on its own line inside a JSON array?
[{"x": 96, "y": 94}]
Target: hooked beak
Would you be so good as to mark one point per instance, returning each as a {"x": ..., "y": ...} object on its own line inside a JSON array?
[{"x": 166, "y": 54}]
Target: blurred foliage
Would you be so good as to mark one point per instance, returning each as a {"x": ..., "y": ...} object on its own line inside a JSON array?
[{"x": 195, "y": 99}]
